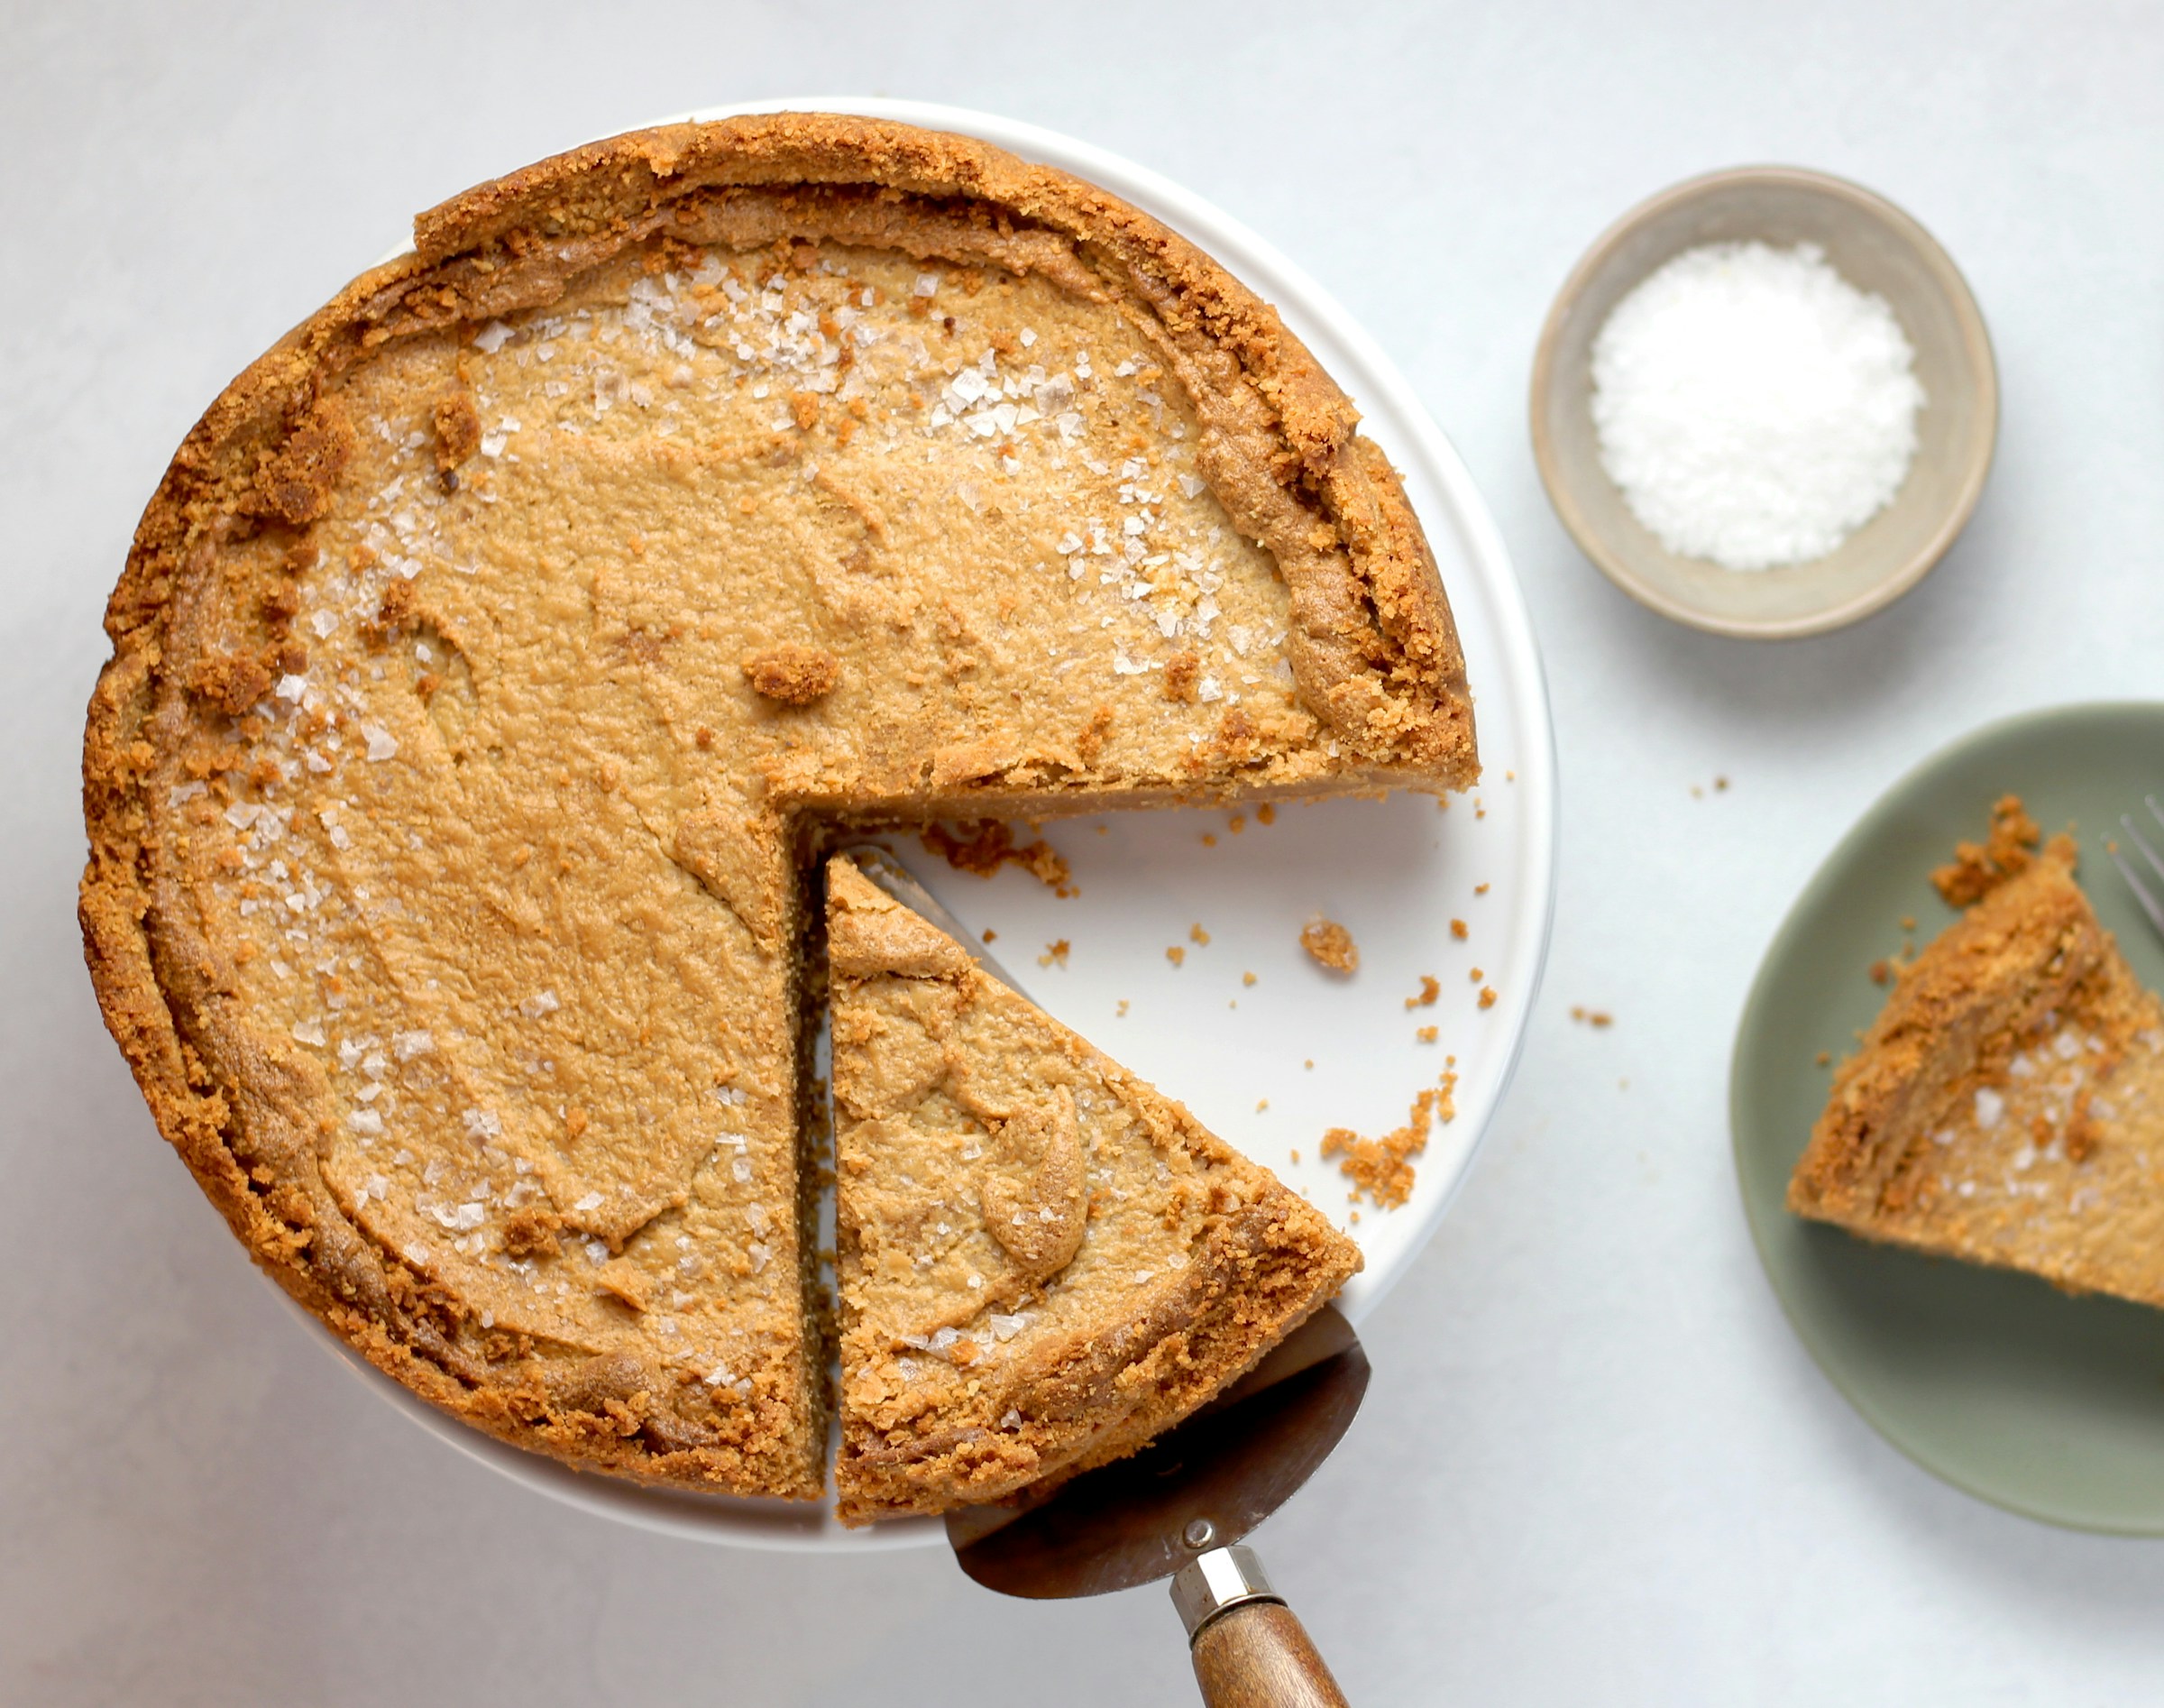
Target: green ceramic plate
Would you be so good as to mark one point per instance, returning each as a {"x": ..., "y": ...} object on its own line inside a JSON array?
[{"x": 2049, "y": 1406}]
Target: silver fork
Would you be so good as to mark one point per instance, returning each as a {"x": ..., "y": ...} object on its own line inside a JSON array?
[{"x": 2151, "y": 904}]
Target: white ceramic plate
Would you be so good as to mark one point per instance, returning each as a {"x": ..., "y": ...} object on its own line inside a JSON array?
[{"x": 1395, "y": 872}]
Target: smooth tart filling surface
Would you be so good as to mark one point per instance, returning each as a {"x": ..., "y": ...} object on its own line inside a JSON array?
[{"x": 495, "y": 645}]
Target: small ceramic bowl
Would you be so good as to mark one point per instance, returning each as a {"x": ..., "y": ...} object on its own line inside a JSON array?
[{"x": 1876, "y": 247}]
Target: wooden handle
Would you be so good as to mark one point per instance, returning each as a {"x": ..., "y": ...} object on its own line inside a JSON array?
[{"x": 1257, "y": 1656}]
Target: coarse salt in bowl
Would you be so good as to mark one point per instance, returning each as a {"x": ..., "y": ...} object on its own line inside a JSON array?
[{"x": 1876, "y": 248}]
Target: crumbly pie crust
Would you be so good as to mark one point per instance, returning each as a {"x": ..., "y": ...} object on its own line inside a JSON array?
[{"x": 495, "y": 646}]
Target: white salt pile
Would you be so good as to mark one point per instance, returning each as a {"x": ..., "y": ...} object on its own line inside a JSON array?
[{"x": 1755, "y": 408}]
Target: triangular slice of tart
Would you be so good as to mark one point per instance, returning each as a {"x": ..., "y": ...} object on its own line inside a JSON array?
[
  {"x": 1043, "y": 1263},
  {"x": 2007, "y": 1106}
]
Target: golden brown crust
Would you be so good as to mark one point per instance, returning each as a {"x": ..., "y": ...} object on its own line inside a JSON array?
[
  {"x": 1373, "y": 650},
  {"x": 2017, "y": 955}
]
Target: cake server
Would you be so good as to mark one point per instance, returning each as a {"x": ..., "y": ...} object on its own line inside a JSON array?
[
  {"x": 1181, "y": 1507},
  {"x": 1178, "y": 1509}
]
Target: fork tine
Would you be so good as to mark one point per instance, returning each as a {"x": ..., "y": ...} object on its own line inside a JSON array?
[
  {"x": 2156, "y": 862},
  {"x": 2150, "y": 904}
]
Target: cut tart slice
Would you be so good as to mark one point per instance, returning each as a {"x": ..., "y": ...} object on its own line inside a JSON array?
[
  {"x": 2007, "y": 1106},
  {"x": 1043, "y": 1263}
]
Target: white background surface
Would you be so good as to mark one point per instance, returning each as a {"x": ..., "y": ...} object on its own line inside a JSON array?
[{"x": 1594, "y": 1465}]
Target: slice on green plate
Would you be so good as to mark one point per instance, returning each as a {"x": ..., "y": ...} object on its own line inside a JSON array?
[{"x": 2048, "y": 1405}]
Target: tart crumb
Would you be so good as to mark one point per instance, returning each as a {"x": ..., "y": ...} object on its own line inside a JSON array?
[
  {"x": 1460, "y": 929},
  {"x": 1266, "y": 814},
  {"x": 1176, "y": 955},
  {"x": 1197, "y": 936},
  {"x": 1330, "y": 944},
  {"x": 1382, "y": 1168},
  {"x": 531, "y": 1232},
  {"x": 1055, "y": 953},
  {"x": 1427, "y": 1035},
  {"x": 982, "y": 845},
  {"x": 1978, "y": 869},
  {"x": 792, "y": 674},
  {"x": 1090, "y": 744},
  {"x": 457, "y": 430},
  {"x": 1482, "y": 889},
  {"x": 1430, "y": 987},
  {"x": 1486, "y": 997}
]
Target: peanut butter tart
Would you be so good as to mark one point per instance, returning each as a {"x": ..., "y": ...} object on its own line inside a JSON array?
[{"x": 497, "y": 647}]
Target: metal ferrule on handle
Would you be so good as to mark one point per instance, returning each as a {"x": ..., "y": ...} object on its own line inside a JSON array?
[
  {"x": 1249, "y": 1648},
  {"x": 1217, "y": 1583}
]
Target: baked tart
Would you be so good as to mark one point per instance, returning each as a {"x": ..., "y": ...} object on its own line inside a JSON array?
[{"x": 496, "y": 647}]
